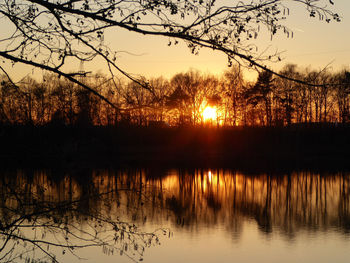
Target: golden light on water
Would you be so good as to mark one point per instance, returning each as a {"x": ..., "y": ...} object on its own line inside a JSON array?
[
  {"x": 210, "y": 176},
  {"x": 209, "y": 114}
]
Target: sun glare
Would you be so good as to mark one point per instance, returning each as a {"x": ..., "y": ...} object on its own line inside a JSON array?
[{"x": 209, "y": 114}]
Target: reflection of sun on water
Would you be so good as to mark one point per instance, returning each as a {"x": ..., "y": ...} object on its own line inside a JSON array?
[
  {"x": 209, "y": 114},
  {"x": 209, "y": 175}
]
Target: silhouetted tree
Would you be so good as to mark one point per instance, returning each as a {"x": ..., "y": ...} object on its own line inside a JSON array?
[
  {"x": 161, "y": 91},
  {"x": 233, "y": 90},
  {"x": 286, "y": 93},
  {"x": 50, "y": 34},
  {"x": 38, "y": 220},
  {"x": 192, "y": 92},
  {"x": 342, "y": 94},
  {"x": 178, "y": 100},
  {"x": 262, "y": 93},
  {"x": 8, "y": 101}
]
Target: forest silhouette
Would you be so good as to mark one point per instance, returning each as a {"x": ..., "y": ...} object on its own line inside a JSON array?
[
  {"x": 180, "y": 101},
  {"x": 268, "y": 121}
]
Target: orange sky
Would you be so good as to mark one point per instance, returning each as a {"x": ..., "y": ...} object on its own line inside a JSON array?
[{"x": 315, "y": 44}]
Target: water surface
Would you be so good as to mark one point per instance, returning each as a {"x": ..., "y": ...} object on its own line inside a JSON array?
[{"x": 197, "y": 215}]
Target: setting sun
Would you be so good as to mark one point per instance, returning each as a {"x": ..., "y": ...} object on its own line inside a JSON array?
[{"x": 209, "y": 114}]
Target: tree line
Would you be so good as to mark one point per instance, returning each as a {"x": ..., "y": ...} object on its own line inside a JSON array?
[{"x": 180, "y": 100}]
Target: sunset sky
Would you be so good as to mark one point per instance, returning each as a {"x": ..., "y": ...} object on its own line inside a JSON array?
[{"x": 315, "y": 44}]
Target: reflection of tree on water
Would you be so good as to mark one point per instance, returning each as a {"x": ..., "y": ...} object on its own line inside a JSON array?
[
  {"x": 287, "y": 203},
  {"x": 40, "y": 218},
  {"x": 102, "y": 208}
]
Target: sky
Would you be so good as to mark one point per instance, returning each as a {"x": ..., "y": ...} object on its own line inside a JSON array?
[{"x": 315, "y": 44}]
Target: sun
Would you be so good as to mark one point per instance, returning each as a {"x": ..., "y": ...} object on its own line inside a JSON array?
[{"x": 209, "y": 114}]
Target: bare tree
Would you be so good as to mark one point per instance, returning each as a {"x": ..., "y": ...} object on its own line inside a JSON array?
[
  {"x": 192, "y": 92},
  {"x": 286, "y": 93},
  {"x": 35, "y": 225},
  {"x": 262, "y": 93},
  {"x": 50, "y": 34},
  {"x": 342, "y": 91},
  {"x": 233, "y": 85}
]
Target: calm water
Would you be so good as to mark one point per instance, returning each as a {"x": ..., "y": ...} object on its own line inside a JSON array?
[{"x": 174, "y": 216}]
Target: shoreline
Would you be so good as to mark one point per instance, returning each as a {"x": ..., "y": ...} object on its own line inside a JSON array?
[{"x": 245, "y": 147}]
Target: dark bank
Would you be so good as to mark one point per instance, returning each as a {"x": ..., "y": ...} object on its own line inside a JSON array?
[{"x": 303, "y": 146}]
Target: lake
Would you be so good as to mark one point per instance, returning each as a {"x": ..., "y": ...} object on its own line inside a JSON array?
[{"x": 174, "y": 215}]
